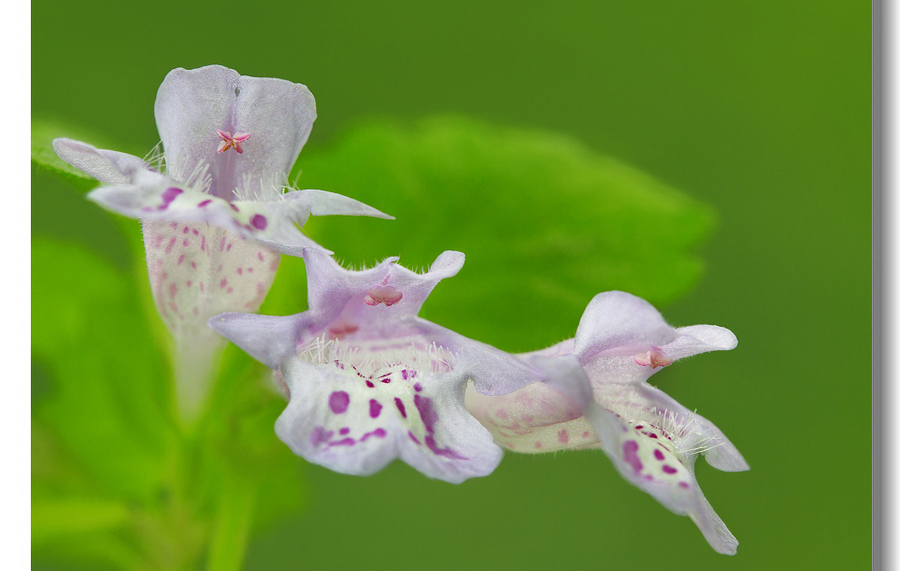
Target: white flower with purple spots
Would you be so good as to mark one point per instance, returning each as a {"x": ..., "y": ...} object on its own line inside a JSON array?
[
  {"x": 369, "y": 381},
  {"x": 596, "y": 395},
  {"x": 213, "y": 208}
]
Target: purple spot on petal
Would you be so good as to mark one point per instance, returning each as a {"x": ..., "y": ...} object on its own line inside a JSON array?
[
  {"x": 446, "y": 452},
  {"x": 413, "y": 437},
  {"x": 563, "y": 436},
  {"x": 684, "y": 485},
  {"x": 400, "y": 406},
  {"x": 233, "y": 207},
  {"x": 204, "y": 204},
  {"x": 659, "y": 455},
  {"x": 426, "y": 411},
  {"x": 320, "y": 436},
  {"x": 374, "y": 408},
  {"x": 379, "y": 432},
  {"x": 343, "y": 442},
  {"x": 259, "y": 222},
  {"x": 418, "y": 387},
  {"x": 668, "y": 469},
  {"x": 338, "y": 401},
  {"x": 629, "y": 449},
  {"x": 344, "y": 431},
  {"x": 169, "y": 195},
  {"x": 404, "y": 373},
  {"x": 370, "y": 384},
  {"x": 186, "y": 230}
]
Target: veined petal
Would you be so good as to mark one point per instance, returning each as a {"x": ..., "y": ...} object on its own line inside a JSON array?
[
  {"x": 355, "y": 416},
  {"x": 272, "y": 119},
  {"x": 110, "y": 167}
]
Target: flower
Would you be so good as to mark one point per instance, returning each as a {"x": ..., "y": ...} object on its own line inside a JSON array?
[
  {"x": 214, "y": 216},
  {"x": 595, "y": 394},
  {"x": 369, "y": 381}
]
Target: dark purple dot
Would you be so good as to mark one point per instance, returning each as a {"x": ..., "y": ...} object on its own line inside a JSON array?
[
  {"x": 233, "y": 207},
  {"x": 400, "y": 406},
  {"x": 684, "y": 485},
  {"x": 418, "y": 387},
  {"x": 259, "y": 222},
  {"x": 413, "y": 437},
  {"x": 629, "y": 450},
  {"x": 426, "y": 411},
  {"x": 404, "y": 373},
  {"x": 374, "y": 408},
  {"x": 659, "y": 455},
  {"x": 344, "y": 431},
  {"x": 204, "y": 204},
  {"x": 338, "y": 401},
  {"x": 651, "y": 435},
  {"x": 668, "y": 469},
  {"x": 170, "y": 194},
  {"x": 370, "y": 384}
]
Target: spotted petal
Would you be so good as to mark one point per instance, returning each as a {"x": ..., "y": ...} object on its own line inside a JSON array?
[
  {"x": 649, "y": 464},
  {"x": 192, "y": 106},
  {"x": 355, "y": 419}
]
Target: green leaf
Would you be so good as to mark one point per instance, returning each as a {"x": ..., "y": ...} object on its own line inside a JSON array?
[
  {"x": 107, "y": 399},
  {"x": 545, "y": 223}
]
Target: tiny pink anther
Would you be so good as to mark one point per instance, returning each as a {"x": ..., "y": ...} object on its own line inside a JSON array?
[
  {"x": 653, "y": 358},
  {"x": 230, "y": 141}
]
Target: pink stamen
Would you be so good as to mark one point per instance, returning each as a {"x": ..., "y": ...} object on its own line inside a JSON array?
[{"x": 230, "y": 141}]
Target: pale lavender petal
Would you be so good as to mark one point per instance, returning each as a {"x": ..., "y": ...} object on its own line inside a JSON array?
[
  {"x": 618, "y": 323},
  {"x": 192, "y": 106},
  {"x": 110, "y": 167},
  {"x": 295, "y": 208},
  {"x": 269, "y": 340},
  {"x": 331, "y": 287},
  {"x": 697, "y": 339},
  {"x": 154, "y": 197},
  {"x": 649, "y": 464},
  {"x": 492, "y": 371},
  {"x": 355, "y": 419},
  {"x": 383, "y": 293}
]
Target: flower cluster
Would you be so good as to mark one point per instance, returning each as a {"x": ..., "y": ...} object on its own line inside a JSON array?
[{"x": 367, "y": 380}]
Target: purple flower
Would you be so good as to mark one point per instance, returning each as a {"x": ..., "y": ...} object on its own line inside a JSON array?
[
  {"x": 595, "y": 394},
  {"x": 213, "y": 209},
  {"x": 369, "y": 381}
]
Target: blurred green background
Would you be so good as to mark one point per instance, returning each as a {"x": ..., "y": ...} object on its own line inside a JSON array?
[{"x": 760, "y": 109}]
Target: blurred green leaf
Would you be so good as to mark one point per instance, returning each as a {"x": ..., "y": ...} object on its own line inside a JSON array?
[
  {"x": 75, "y": 515},
  {"x": 545, "y": 223},
  {"x": 107, "y": 398}
]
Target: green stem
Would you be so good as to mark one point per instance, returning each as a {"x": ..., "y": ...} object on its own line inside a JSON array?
[{"x": 232, "y": 526}]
